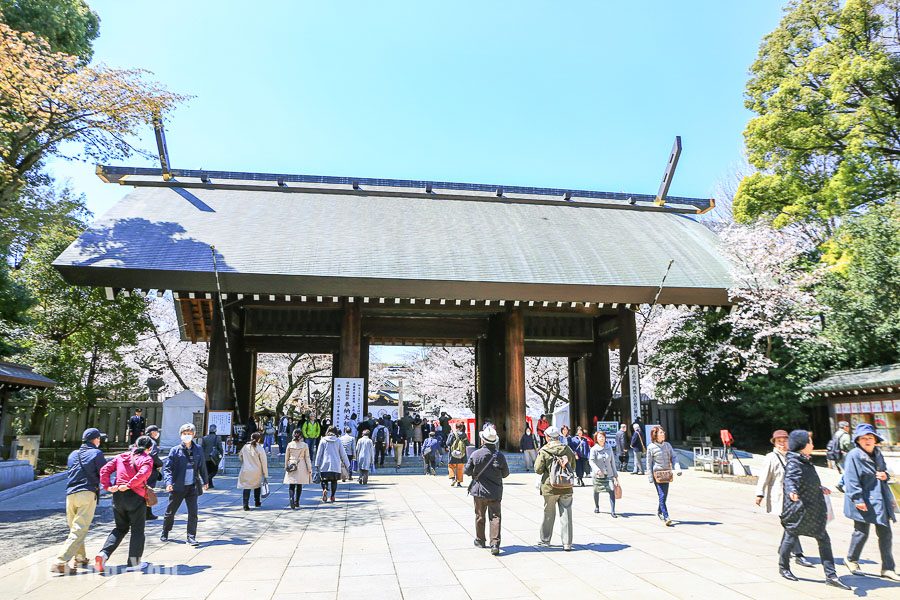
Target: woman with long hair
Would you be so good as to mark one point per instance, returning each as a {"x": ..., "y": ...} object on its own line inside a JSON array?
[
  {"x": 297, "y": 467},
  {"x": 330, "y": 458},
  {"x": 606, "y": 476},
  {"x": 254, "y": 468}
]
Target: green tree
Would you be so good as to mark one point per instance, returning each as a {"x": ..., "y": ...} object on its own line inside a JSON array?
[
  {"x": 76, "y": 334},
  {"x": 826, "y": 89},
  {"x": 862, "y": 288},
  {"x": 14, "y": 301},
  {"x": 69, "y": 26}
]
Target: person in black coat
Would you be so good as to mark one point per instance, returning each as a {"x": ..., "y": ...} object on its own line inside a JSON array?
[
  {"x": 804, "y": 511},
  {"x": 184, "y": 472},
  {"x": 487, "y": 467}
]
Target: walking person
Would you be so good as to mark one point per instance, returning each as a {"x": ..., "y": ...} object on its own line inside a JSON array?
[
  {"x": 638, "y": 448},
  {"x": 156, "y": 475},
  {"x": 457, "y": 444},
  {"x": 184, "y": 473},
  {"x": 622, "y": 446},
  {"x": 136, "y": 425},
  {"x": 254, "y": 468},
  {"x": 661, "y": 462},
  {"x": 771, "y": 486},
  {"x": 837, "y": 448},
  {"x": 542, "y": 426},
  {"x": 487, "y": 467},
  {"x": 311, "y": 431},
  {"x": 804, "y": 511},
  {"x": 330, "y": 459},
  {"x": 82, "y": 492},
  {"x": 212, "y": 450},
  {"x": 381, "y": 437},
  {"x": 353, "y": 424},
  {"x": 430, "y": 452},
  {"x": 605, "y": 474},
  {"x": 132, "y": 468},
  {"x": 349, "y": 444},
  {"x": 868, "y": 500},
  {"x": 297, "y": 468},
  {"x": 365, "y": 456},
  {"x": 284, "y": 424},
  {"x": 417, "y": 436},
  {"x": 582, "y": 449},
  {"x": 529, "y": 445},
  {"x": 269, "y": 436},
  {"x": 554, "y": 464}
]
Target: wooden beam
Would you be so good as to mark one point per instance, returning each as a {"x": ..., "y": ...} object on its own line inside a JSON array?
[
  {"x": 514, "y": 346},
  {"x": 351, "y": 340}
]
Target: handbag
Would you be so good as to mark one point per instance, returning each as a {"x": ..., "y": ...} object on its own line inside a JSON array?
[
  {"x": 264, "y": 489},
  {"x": 663, "y": 476},
  {"x": 150, "y": 498},
  {"x": 291, "y": 467},
  {"x": 618, "y": 492},
  {"x": 345, "y": 475}
]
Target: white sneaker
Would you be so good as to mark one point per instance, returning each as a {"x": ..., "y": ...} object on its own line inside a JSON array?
[
  {"x": 889, "y": 574},
  {"x": 853, "y": 566},
  {"x": 141, "y": 567}
]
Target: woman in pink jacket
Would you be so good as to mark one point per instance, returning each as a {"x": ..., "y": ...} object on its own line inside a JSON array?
[{"x": 132, "y": 470}]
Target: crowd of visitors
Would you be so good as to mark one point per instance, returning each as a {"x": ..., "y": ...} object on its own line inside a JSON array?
[{"x": 788, "y": 485}]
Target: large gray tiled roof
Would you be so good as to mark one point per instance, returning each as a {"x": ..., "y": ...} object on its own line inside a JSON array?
[{"x": 334, "y": 241}]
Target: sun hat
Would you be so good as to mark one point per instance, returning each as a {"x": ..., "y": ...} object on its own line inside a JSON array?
[
  {"x": 489, "y": 435},
  {"x": 551, "y": 432},
  {"x": 777, "y": 434}
]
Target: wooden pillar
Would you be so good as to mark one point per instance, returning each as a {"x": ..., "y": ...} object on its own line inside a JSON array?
[
  {"x": 364, "y": 373},
  {"x": 601, "y": 392},
  {"x": 218, "y": 385},
  {"x": 627, "y": 356},
  {"x": 514, "y": 349},
  {"x": 351, "y": 340}
]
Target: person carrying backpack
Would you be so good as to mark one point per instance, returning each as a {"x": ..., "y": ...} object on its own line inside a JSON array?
[
  {"x": 457, "y": 444},
  {"x": 837, "y": 448},
  {"x": 555, "y": 463},
  {"x": 381, "y": 437}
]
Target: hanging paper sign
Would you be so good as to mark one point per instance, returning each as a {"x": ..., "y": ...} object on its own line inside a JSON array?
[
  {"x": 347, "y": 400},
  {"x": 855, "y": 407},
  {"x": 634, "y": 390},
  {"x": 865, "y": 407},
  {"x": 222, "y": 419},
  {"x": 876, "y": 406}
]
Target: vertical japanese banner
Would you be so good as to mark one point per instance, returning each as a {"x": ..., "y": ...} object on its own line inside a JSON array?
[
  {"x": 634, "y": 391},
  {"x": 347, "y": 399}
]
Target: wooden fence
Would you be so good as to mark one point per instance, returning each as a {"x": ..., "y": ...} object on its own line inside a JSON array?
[{"x": 64, "y": 428}]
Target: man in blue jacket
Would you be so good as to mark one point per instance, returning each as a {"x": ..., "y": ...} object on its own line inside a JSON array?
[
  {"x": 184, "y": 473},
  {"x": 82, "y": 492}
]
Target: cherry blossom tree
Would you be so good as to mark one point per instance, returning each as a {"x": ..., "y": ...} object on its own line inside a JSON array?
[
  {"x": 547, "y": 383},
  {"x": 283, "y": 383}
]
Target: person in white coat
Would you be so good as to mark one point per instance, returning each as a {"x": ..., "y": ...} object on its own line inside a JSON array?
[
  {"x": 770, "y": 486},
  {"x": 297, "y": 467},
  {"x": 365, "y": 456},
  {"x": 330, "y": 459},
  {"x": 254, "y": 468}
]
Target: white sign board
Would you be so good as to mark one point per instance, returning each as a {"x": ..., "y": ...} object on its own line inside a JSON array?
[
  {"x": 221, "y": 419},
  {"x": 634, "y": 391},
  {"x": 347, "y": 400}
]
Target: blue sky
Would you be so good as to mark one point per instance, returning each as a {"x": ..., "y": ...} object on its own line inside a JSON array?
[
  {"x": 574, "y": 94},
  {"x": 558, "y": 94}
]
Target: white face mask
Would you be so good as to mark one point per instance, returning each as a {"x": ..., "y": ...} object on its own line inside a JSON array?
[{"x": 186, "y": 438}]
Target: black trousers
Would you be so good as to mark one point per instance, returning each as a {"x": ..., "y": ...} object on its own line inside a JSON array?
[
  {"x": 487, "y": 510},
  {"x": 580, "y": 464},
  {"x": 825, "y": 553},
  {"x": 257, "y": 495},
  {"x": 380, "y": 448},
  {"x": 130, "y": 512},
  {"x": 329, "y": 478},
  {"x": 189, "y": 497},
  {"x": 212, "y": 469},
  {"x": 796, "y": 549},
  {"x": 861, "y": 534}
]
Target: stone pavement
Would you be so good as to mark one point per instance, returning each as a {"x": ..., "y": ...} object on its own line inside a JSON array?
[{"x": 411, "y": 537}]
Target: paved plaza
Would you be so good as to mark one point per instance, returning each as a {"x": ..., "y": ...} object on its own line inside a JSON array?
[{"x": 411, "y": 537}]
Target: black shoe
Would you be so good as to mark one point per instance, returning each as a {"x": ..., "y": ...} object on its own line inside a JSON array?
[
  {"x": 495, "y": 550},
  {"x": 192, "y": 541},
  {"x": 802, "y": 561},
  {"x": 836, "y": 582},
  {"x": 479, "y": 544},
  {"x": 257, "y": 504},
  {"x": 210, "y": 486},
  {"x": 786, "y": 573},
  {"x": 151, "y": 517},
  {"x": 596, "y": 510},
  {"x": 840, "y": 488},
  {"x": 164, "y": 536},
  {"x": 614, "y": 515}
]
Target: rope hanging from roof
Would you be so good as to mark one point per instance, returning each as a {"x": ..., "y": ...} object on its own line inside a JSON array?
[{"x": 224, "y": 328}]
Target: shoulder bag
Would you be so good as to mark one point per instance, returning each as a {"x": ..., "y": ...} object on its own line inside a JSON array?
[
  {"x": 664, "y": 475},
  {"x": 150, "y": 498},
  {"x": 481, "y": 472}
]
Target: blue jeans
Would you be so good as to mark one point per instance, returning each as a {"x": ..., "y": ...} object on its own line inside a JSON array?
[
  {"x": 282, "y": 443},
  {"x": 268, "y": 441},
  {"x": 662, "y": 490},
  {"x": 311, "y": 442}
]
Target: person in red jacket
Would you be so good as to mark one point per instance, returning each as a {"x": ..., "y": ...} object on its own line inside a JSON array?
[
  {"x": 132, "y": 470},
  {"x": 542, "y": 426}
]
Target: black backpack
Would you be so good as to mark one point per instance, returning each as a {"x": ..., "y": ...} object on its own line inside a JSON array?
[
  {"x": 379, "y": 435},
  {"x": 832, "y": 450}
]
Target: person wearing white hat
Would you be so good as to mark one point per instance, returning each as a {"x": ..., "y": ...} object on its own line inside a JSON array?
[
  {"x": 487, "y": 467},
  {"x": 555, "y": 462}
]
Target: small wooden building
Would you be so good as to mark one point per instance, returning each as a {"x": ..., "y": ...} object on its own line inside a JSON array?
[{"x": 870, "y": 395}]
